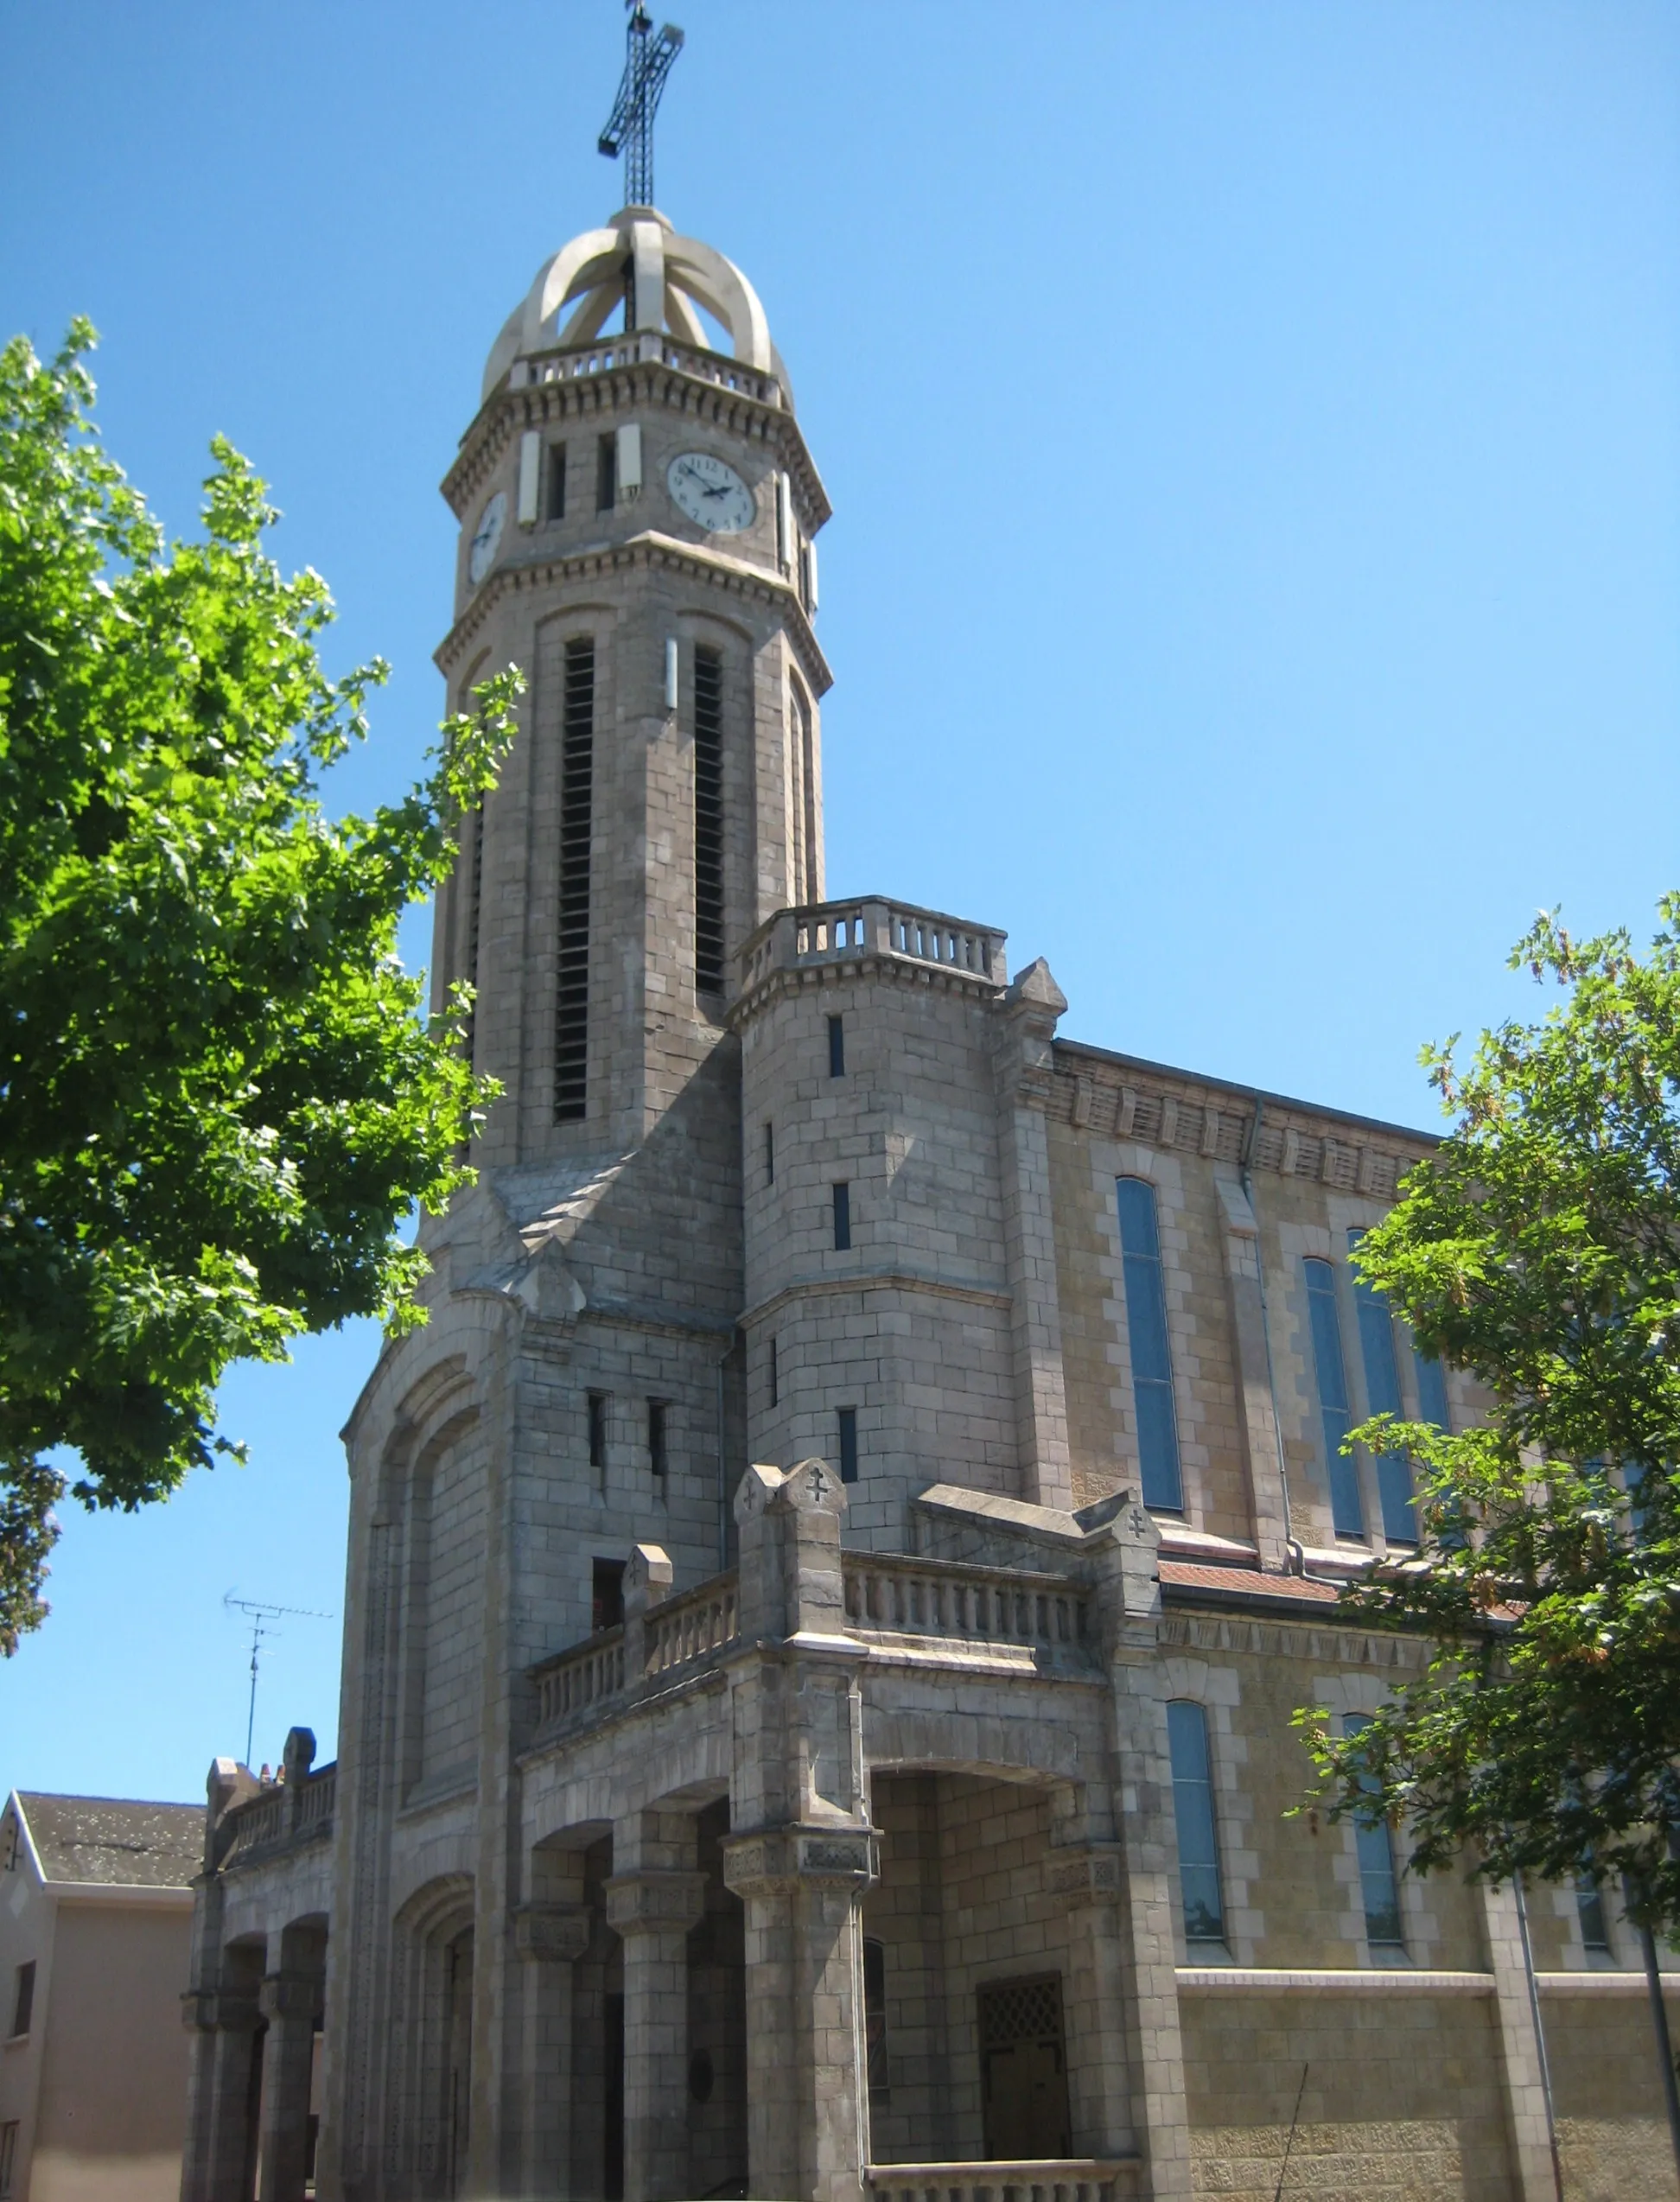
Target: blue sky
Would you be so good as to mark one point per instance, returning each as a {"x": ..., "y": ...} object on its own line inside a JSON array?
[{"x": 1253, "y": 431}]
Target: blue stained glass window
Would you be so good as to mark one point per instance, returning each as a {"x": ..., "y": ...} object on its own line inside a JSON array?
[
  {"x": 1151, "y": 1360},
  {"x": 1192, "y": 1810},
  {"x": 1590, "y": 1899},
  {"x": 1377, "y": 1881},
  {"x": 1346, "y": 1508},
  {"x": 1394, "y": 1478},
  {"x": 1431, "y": 1390}
]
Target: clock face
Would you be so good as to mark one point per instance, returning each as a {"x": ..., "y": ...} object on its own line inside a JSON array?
[
  {"x": 486, "y": 537},
  {"x": 711, "y": 492}
]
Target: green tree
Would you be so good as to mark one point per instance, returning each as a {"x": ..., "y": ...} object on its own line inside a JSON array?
[
  {"x": 1539, "y": 1247},
  {"x": 218, "y": 1099}
]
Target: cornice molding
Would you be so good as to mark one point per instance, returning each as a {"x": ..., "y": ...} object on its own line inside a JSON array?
[
  {"x": 1183, "y": 1629},
  {"x": 1188, "y": 1116},
  {"x": 895, "y": 1280},
  {"x": 507, "y": 412},
  {"x": 653, "y": 551},
  {"x": 783, "y": 979}
]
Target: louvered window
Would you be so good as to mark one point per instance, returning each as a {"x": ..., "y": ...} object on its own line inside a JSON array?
[
  {"x": 708, "y": 821},
  {"x": 571, "y": 1019}
]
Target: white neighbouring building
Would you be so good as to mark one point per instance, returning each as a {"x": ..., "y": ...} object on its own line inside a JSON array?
[{"x": 828, "y": 1588}]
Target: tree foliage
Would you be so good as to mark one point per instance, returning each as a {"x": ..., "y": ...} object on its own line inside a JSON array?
[
  {"x": 1539, "y": 1247},
  {"x": 217, "y": 1098}
]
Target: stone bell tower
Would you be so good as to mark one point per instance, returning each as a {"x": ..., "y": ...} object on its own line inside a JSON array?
[{"x": 637, "y": 513}]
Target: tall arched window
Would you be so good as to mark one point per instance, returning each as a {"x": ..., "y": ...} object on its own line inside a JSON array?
[
  {"x": 1193, "y": 1812},
  {"x": 1151, "y": 1360},
  {"x": 1346, "y": 1509}
]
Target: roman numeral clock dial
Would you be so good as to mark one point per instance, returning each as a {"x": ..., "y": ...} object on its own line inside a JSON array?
[{"x": 710, "y": 492}]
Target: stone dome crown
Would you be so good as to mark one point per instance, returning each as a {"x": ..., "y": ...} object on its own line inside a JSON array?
[{"x": 638, "y": 261}]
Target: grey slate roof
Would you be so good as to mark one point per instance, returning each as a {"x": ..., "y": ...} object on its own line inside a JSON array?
[{"x": 114, "y": 1839}]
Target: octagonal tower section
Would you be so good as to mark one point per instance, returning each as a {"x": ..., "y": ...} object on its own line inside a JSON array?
[{"x": 899, "y": 1316}]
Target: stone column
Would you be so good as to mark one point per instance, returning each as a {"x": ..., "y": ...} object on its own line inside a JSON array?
[
  {"x": 1029, "y": 1011},
  {"x": 1524, "y": 2096},
  {"x": 290, "y": 2001},
  {"x": 1089, "y": 1878},
  {"x": 550, "y": 1939},
  {"x": 806, "y": 2088},
  {"x": 234, "y": 2017},
  {"x": 1254, "y": 1375},
  {"x": 652, "y": 1906}
]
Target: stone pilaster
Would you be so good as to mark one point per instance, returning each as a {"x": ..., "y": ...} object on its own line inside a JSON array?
[
  {"x": 1125, "y": 1554},
  {"x": 549, "y": 1939},
  {"x": 653, "y": 1912},
  {"x": 1089, "y": 1878},
  {"x": 1254, "y": 1374},
  {"x": 1519, "y": 2051},
  {"x": 1029, "y": 1014}
]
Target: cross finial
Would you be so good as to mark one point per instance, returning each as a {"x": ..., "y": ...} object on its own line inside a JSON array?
[{"x": 629, "y": 129}]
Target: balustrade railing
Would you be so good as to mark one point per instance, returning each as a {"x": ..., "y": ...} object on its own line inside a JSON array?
[
  {"x": 632, "y": 349},
  {"x": 691, "y": 1627},
  {"x": 836, "y": 931},
  {"x": 684, "y": 1628},
  {"x": 580, "y": 1678},
  {"x": 901, "y": 1596},
  {"x": 280, "y": 1814},
  {"x": 1048, "y": 2180}
]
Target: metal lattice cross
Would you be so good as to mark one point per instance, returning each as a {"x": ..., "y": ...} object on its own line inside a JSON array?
[{"x": 629, "y": 129}]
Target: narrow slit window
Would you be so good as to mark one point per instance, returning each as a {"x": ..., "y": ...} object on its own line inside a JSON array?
[
  {"x": 606, "y": 473},
  {"x": 554, "y": 497},
  {"x": 836, "y": 1032},
  {"x": 842, "y": 1217},
  {"x": 1378, "y": 1884},
  {"x": 572, "y": 1018},
  {"x": 7, "y": 2157},
  {"x": 708, "y": 821},
  {"x": 658, "y": 1458},
  {"x": 769, "y": 1153},
  {"x": 874, "y": 2020},
  {"x": 1394, "y": 1476},
  {"x": 1151, "y": 1358},
  {"x": 474, "y": 922},
  {"x": 1346, "y": 1509},
  {"x": 23, "y": 1999},
  {"x": 775, "y": 1377},
  {"x": 605, "y": 1594},
  {"x": 598, "y": 1433},
  {"x": 847, "y": 1434},
  {"x": 1192, "y": 1811}
]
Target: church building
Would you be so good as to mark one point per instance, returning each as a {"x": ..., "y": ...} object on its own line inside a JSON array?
[{"x": 828, "y": 1588}]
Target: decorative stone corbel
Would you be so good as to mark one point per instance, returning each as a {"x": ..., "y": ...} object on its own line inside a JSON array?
[{"x": 552, "y": 1933}]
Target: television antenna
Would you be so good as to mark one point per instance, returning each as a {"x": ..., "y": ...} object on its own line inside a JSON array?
[
  {"x": 647, "y": 60},
  {"x": 263, "y": 1617}
]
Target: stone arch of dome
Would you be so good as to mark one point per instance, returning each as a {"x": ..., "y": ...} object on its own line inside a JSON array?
[{"x": 670, "y": 281}]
